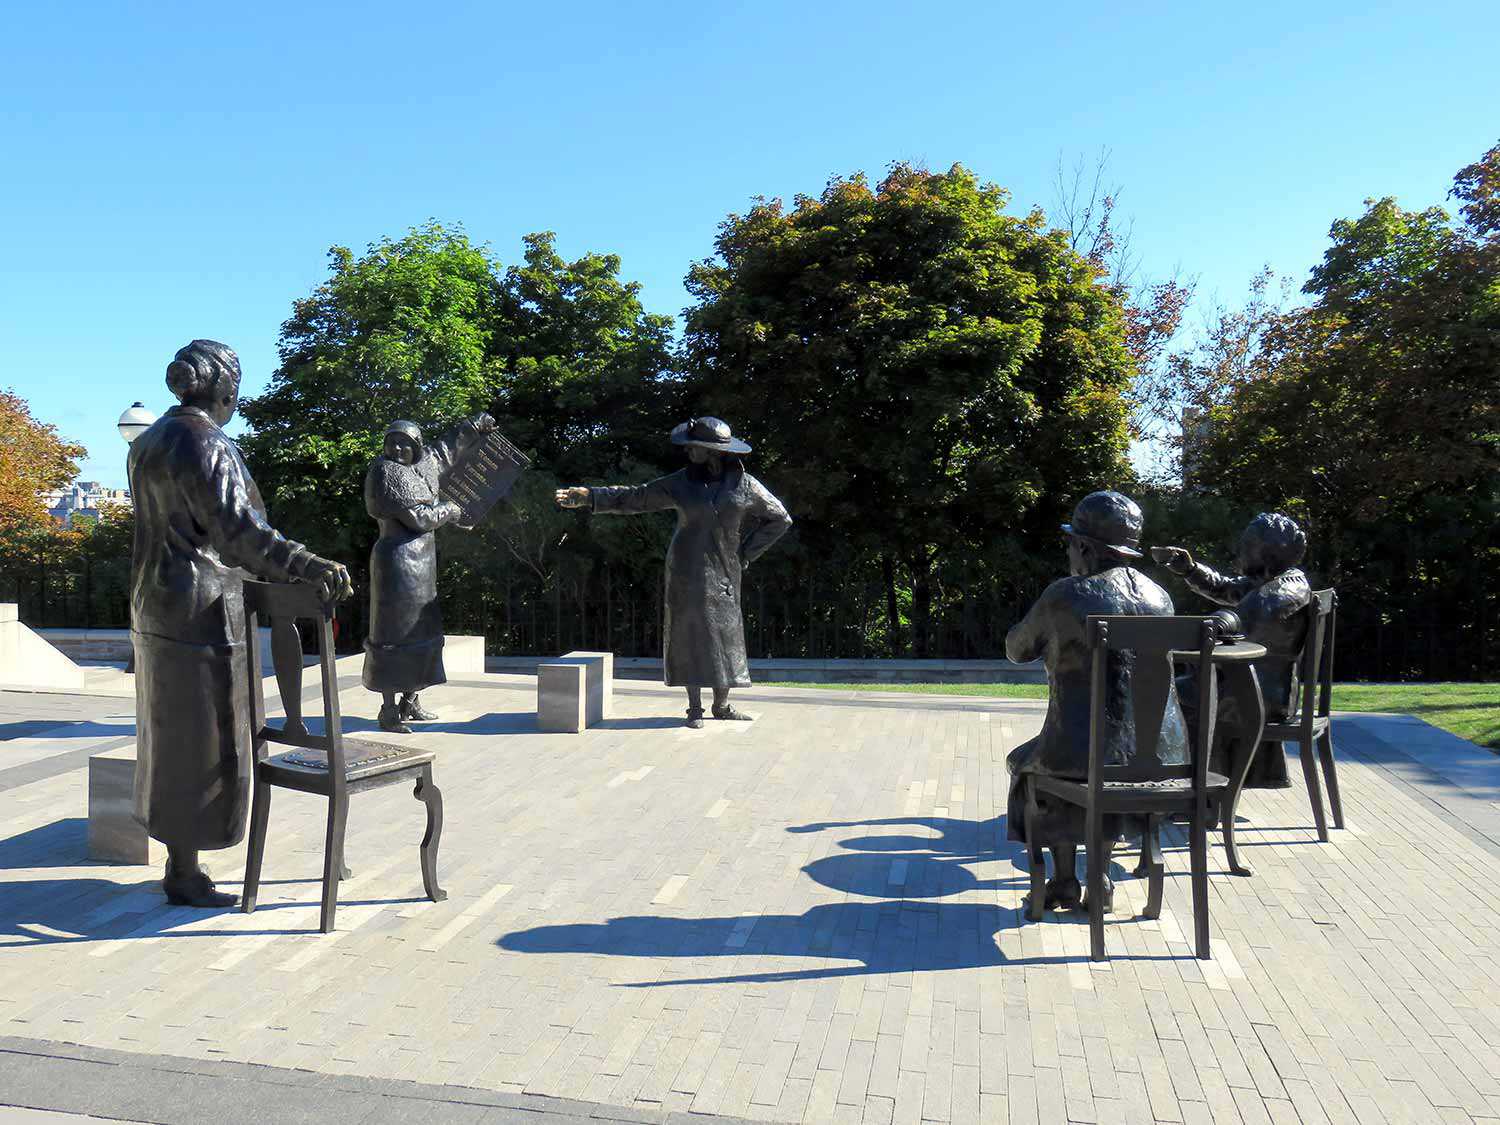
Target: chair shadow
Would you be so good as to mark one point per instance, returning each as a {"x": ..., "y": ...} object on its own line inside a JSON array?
[
  {"x": 881, "y": 935},
  {"x": 63, "y": 910},
  {"x": 498, "y": 722}
]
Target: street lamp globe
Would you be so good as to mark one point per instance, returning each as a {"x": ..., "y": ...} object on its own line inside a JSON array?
[{"x": 135, "y": 421}]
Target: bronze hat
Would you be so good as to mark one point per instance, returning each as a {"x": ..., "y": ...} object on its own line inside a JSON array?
[
  {"x": 1110, "y": 518},
  {"x": 708, "y": 433}
]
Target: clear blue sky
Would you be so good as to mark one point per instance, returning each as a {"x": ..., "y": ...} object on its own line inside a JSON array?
[{"x": 168, "y": 172}]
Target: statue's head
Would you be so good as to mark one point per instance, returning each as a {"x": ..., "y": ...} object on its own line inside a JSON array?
[
  {"x": 403, "y": 443},
  {"x": 206, "y": 374},
  {"x": 1105, "y": 532},
  {"x": 1270, "y": 545}
]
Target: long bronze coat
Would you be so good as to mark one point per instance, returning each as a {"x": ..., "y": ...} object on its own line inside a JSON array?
[
  {"x": 404, "y": 651},
  {"x": 1055, "y": 630},
  {"x": 199, "y": 525},
  {"x": 723, "y": 525}
]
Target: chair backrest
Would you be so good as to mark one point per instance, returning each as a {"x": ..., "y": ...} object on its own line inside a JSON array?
[
  {"x": 1150, "y": 641},
  {"x": 1316, "y": 664},
  {"x": 281, "y": 605}
]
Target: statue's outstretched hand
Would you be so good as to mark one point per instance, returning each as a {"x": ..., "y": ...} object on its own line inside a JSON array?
[
  {"x": 572, "y": 497},
  {"x": 331, "y": 578},
  {"x": 1179, "y": 560}
]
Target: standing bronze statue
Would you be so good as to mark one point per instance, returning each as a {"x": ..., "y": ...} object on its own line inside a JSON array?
[
  {"x": 200, "y": 525},
  {"x": 404, "y": 651},
  {"x": 726, "y": 519},
  {"x": 1103, "y": 540},
  {"x": 1268, "y": 594}
]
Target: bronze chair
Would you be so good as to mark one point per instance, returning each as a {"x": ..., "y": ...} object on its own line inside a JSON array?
[
  {"x": 329, "y": 764},
  {"x": 1311, "y": 725},
  {"x": 1144, "y": 786}
]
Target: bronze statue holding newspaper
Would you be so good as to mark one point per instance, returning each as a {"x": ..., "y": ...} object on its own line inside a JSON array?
[{"x": 411, "y": 490}]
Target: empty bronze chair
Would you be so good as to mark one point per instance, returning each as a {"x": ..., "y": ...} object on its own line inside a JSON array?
[{"x": 329, "y": 764}]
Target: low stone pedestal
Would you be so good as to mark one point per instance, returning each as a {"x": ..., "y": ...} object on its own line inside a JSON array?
[
  {"x": 115, "y": 836},
  {"x": 562, "y": 697},
  {"x": 463, "y": 656},
  {"x": 599, "y": 682}
]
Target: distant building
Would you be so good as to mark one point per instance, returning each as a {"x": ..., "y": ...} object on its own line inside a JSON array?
[{"x": 82, "y": 500}]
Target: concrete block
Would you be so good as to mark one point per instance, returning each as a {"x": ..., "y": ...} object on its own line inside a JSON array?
[
  {"x": 10, "y": 611},
  {"x": 562, "y": 697},
  {"x": 600, "y": 682},
  {"x": 115, "y": 836},
  {"x": 463, "y": 656}
]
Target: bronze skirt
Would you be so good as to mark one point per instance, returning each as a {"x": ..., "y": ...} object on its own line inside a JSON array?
[{"x": 193, "y": 752}]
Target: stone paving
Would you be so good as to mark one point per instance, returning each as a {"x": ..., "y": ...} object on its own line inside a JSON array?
[{"x": 815, "y": 917}]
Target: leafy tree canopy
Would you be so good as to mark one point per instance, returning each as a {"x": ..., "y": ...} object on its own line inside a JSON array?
[
  {"x": 923, "y": 370},
  {"x": 33, "y": 459}
]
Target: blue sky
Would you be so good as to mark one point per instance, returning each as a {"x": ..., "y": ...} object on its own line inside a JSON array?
[{"x": 169, "y": 172}]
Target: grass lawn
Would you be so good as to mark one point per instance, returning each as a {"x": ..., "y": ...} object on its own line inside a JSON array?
[{"x": 1470, "y": 711}]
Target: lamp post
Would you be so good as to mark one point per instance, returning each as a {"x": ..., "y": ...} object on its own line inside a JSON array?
[{"x": 132, "y": 424}]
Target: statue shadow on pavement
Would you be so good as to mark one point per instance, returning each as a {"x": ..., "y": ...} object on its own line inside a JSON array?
[
  {"x": 65, "y": 910},
  {"x": 913, "y": 932}
]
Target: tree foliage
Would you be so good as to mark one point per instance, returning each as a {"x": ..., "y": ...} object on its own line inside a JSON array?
[
  {"x": 1372, "y": 411},
  {"x": 433, "y": 328},
  {"x": 923, "y": 373},
  {"x": 33, "y": 459}
]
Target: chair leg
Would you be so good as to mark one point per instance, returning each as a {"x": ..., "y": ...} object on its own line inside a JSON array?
[
  {"x": 1331, "y": 776},
  {"x": 1097, "y": 859},
  {"x": 1155, "y": 868},
  {"x": 431, "y": 796},
  {"x": 1198, "y": 850},
  {"x": 333, "y": 858},
  {"x": 260, "y": 814},
  {"x": 1036, "y": 904},
  {"x": 1314, "y": 790},
  {"x": 1230, "y": 803}
]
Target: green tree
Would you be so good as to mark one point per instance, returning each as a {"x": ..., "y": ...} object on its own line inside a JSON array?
[
  {"x": 1373, "y": 413},
  {"x": 433, "y": 328},
  {"x": 925, "y": 376}
]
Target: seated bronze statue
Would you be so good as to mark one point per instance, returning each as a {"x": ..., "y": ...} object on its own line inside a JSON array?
[
  {"x": 1103, "y": 539},
  {"x": 1268, "y": 595}
]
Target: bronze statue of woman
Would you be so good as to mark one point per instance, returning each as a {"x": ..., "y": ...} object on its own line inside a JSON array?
[
  {"x": 404, "y": 651},
  {"x": 200, "y": 525},
  {"x": 726, "y": 519}
]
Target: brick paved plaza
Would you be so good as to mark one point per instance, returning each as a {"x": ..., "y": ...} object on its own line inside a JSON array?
[{"x": 814, "y": 917}]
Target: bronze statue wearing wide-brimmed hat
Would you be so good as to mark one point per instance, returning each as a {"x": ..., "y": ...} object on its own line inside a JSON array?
[
  {"x": 725, "y": 520},
  {"x": 1103, "y": 539}
]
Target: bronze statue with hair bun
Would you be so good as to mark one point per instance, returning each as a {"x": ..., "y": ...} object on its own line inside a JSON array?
[{"x": 200, "y": 525}]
